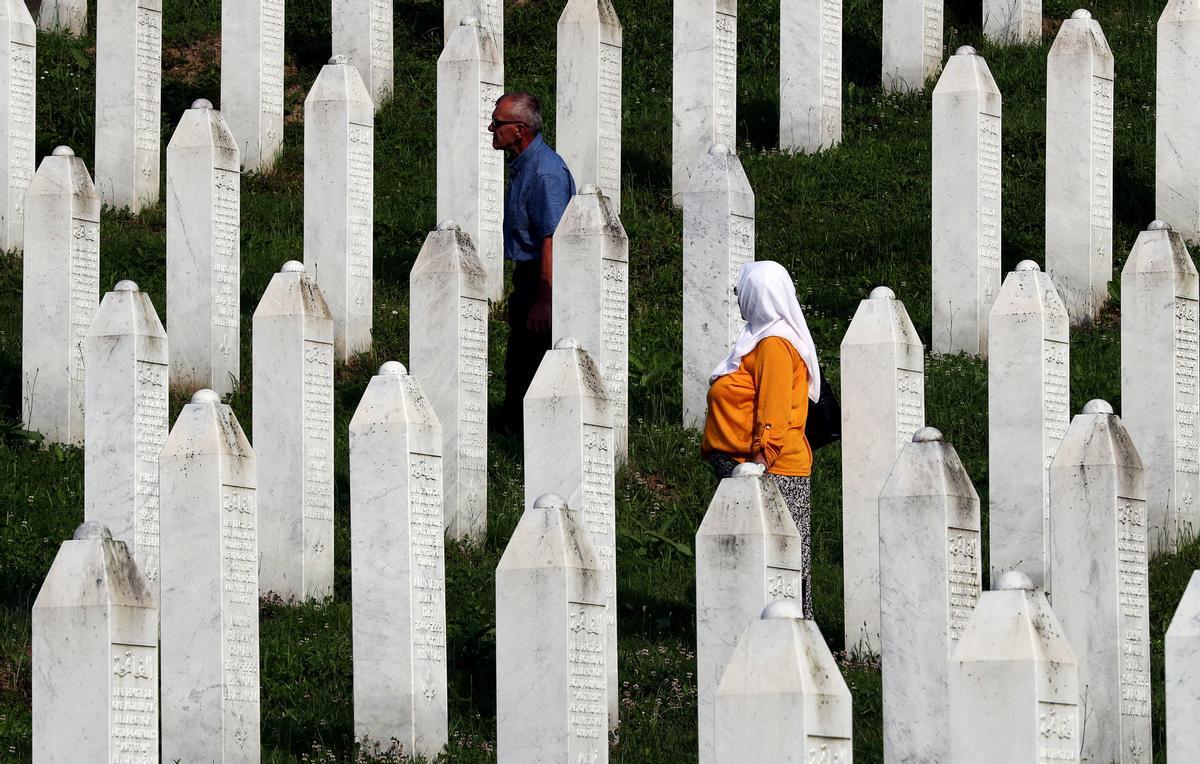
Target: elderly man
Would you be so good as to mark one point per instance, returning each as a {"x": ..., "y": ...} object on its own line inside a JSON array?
[{"x": 539, "y": 188}]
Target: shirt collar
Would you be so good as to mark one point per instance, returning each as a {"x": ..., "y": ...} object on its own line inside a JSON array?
[{"x": 525, "y": 157}]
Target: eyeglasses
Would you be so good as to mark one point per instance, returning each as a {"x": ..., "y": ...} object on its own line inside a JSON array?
[{"x": 499, "y": 122}]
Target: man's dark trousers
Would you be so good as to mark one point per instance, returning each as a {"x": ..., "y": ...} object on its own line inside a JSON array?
[{"x": 525, "y": 348}]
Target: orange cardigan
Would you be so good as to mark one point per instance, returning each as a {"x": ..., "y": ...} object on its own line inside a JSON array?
[{"x": 762, "y": 407}]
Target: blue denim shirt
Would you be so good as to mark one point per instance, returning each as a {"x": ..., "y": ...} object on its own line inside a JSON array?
[{"x": 539, "y": 188}]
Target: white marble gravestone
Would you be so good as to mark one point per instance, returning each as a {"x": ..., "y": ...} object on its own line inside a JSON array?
[
  {"x": 61, "y": 288},
  {"x": 204, "y": 252},
  {"x": 1029, "y": 408},
  {"x": 551, "y": 659},
  {"x": 1182, "y": 653},
  {"x": 591, "y": 295},
  {"x": 912, "y": 43},
  {"x": 569, "y": 450},
  {"x": 125, "y": 418},
  {"x": 448, "y": 355},
  {"x": 782, "y": 697},
  {"x": 293, "y": 436},
  {"x": 63, "y": 16},
  {"x": 18, "y": 85},
  {"x": 1177, "y": 153},
  {"x": 1012, "y": 22},
  {"x": 930, "y": 578},
  {"x": 1100, "y": 581},
  {"x": 362, "y": 31},
  {"x": 718, "y": 239},
  {"x": 704, "y": 84},
  {"x": 588, "y": 106},
  {"x": 209, "y": 587},
  {"x": 966, "y": 203},
  {"x": 95, "y": 655},
  {"x": 470, "y": 173},
  {"x": 398, "y": 587},
  {"x": 252, "y": 78},
  {"x": 339, "y": 172},
  {"x": 128, "y": 102},
  {"x": 883, "y": 405},
  {"x": 810, "y": 75},
  {"x": 748, "y": 554},
  {"x": 1160, "y": 397},
  {"x": 1079, "y": 173},
  {"x": 489, "y": 12},
  {"x": 1014, "y": 682}
]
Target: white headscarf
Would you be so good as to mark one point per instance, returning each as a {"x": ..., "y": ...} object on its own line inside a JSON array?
[{"x": 768, "y": 301}]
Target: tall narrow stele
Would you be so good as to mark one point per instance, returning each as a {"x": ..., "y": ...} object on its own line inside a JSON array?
[
  {"x": 588, "y": 107},
  {"x": 1182, "y": 652},
  {"x": 1177, "y": 131},
  {"x": 362, "y": 31},
  {"x": 252, "y": 78},
  {"x": 883, "y": 405},
  {"x": 1160, "y": 369},
  {"x": 912, "y": 43},
  {"x": 966, "y": 203},
  {"x": 489, "y": 12},
  {"x": 470, "y": 173},
  {"x": 1012, "y": 22},
  {"x": 63, "y": 16},
  {"x": 18, "y": 85},
  {"x": 1079, "y": 165},
  {"x": 293, "y": 436},
  {"x": 396, "y": 548},
  {"x": 810, "y": 75},
  {"x": 95, "y": 655},
  {"x": 1029, "y": 408},
  {"x": 125, "y": 417},
  {"x": 209, "y": 586},
  {"x": 61, "y": 288},
  {"x": 204, "y": 252},
  {"x": 339, "y": 171},
  {"x": 704, "y": 84},
  {"x": 448, "y": 354},
  {"x": 128, "y": 102},
  {"x": 718, "y": 239}
]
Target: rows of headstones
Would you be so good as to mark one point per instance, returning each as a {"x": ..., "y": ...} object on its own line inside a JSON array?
[{"x": 180, "y": 541}]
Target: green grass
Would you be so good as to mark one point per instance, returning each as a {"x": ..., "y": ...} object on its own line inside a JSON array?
[{"x": 842, "y": 222}]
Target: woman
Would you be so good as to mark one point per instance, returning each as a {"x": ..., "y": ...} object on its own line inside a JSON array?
[{"x": 758, "y": 396}]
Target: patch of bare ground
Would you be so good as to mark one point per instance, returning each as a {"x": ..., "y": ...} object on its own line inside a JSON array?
[{"x": 187, "y": 62}]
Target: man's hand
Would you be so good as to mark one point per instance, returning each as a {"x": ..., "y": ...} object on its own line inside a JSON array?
[{"x": 539, "y": 315}]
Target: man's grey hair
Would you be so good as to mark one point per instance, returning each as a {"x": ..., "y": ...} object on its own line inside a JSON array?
[{"x": 527, "y": 108}]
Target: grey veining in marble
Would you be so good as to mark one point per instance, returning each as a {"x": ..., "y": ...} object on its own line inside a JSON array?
[
  {"x": 252, "y": 78},
  {"x": 810, "y": 75},
  {"x": 966, "y": 203},
  {"x": 1177, "y": 131},
  {"x": 1160, "y": 397},
  {"x": 1079, "y": 173},
  {"x": 703, "y": 83},
  {"x": 912, "y": 43},
  {"x": 95, "y": 656},
  {"x": 362, "y": 31},
  {"x": 398, "y": 590},
  {"x": 782, "y": 697},
  {"x": 204, "y": 257},
  {"x": 1183, "y": 676},
  {"x": 448, "y": 354},
  {"x": 1100, "y": 581},
  {"x": 1014, "y": 682},
  {"x": 128, "y": 102},
  {"x": 930, "y": 578},
  {"x": 489, "y": 12},
  {"x": 60, "y": 291},
  {"x": 18, "y": 86},
  {"x": 591, "y": 296},
  {"x": 125, "y": 416},
  {"x": 551, "y": 661},
  {"x": 293, "y": 436},
  {"x": 339, "y": 204},
  {"x": 883, "y": 405},
  {"x": 569, "y": 451},
  {"x": 748, "y": 553},
  {"x": 209, "y": 586},
  {"x": 470, "y": 173},
  {"x": 718, "y": 239},
  {"x": 588, "y": 105},
  {"x": 1012, "y": 22},
  {"x": 63, "y": 16},
  {"x": 1029, "y": 408}
]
